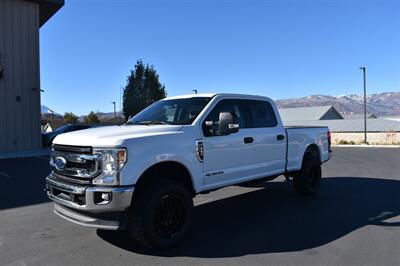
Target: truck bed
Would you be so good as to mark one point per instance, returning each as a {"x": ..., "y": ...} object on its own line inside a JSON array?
[{"x": 297, "y": 139}]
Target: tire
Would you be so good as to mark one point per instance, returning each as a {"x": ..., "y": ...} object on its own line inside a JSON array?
[
  {"x": 160, "y": 214},
  {"x": 307, "y": 181}
]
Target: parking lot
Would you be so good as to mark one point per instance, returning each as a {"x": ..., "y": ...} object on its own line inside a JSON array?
[{"x": 354, "y": 220}]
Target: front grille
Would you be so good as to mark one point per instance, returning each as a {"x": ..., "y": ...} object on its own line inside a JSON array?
[
  {"x": 77, "y": 149},
  {"x": 77, "y": 199},
  {"x": 76, "y": 180},
  {"x": 89, "y": 165},
  {"x": 74, "y": 163}
]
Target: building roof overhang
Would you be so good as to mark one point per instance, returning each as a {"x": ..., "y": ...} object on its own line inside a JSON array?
[{"x": 47, "y": 8}]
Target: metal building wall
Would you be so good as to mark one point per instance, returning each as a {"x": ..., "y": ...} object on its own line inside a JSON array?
[{"x": 20, "y": 85}]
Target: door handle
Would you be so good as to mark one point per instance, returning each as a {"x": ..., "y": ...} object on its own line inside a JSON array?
[
  {"x": 280, "y": 137},
  {"x": 248, "y": 140}
]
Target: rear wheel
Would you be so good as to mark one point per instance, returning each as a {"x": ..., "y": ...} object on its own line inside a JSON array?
[
  {"x": 161, "y": 213},
  {"x": 307, "y": 181}
]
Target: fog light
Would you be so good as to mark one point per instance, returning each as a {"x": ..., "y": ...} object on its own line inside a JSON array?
[
  {"x": 105, "y": 196},
  {"x": 102, "y": 198}
]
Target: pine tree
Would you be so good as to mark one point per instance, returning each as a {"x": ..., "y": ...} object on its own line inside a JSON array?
[
  {"x": 70, "y": 117},
  {"x": 143, "y": 88},
  {"x": 91, "y": 118}
]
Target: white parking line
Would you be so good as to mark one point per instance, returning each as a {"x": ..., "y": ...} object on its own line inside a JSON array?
[{"x": 5, "y": 175}]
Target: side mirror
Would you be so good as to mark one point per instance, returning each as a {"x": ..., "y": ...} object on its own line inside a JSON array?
[{"x": 227, "y": 124}]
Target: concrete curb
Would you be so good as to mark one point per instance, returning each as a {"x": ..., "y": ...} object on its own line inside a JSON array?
[
  {"x": 25, "y": 154},
  {"x": 366, "y": 146}
]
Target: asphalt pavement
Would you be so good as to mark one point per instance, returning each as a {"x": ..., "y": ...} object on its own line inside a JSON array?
[{"x": 354, "y": 220}]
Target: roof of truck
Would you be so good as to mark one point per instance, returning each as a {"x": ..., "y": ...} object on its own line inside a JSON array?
[
  {"x": 235, "y": 95},
  {"x": 192, "y": 96}
]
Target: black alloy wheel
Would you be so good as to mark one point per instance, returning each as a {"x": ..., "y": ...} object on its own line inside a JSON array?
[{"x": 169, "y": 216}]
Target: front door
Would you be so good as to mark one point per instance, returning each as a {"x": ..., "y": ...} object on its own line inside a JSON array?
[{"x": 227, "y": 158}]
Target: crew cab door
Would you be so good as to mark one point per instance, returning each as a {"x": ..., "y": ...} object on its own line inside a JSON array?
[
  {"x": 227, "y": 158},
  {"x": 269, "y": 137}
]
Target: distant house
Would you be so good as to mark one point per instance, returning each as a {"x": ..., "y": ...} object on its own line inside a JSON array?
[
  {"x": 51, "y": 125},
  {"x": 47, "y": 128},
  {"x": 314, "y": 113},
  {"x": 358, "y": 116}
]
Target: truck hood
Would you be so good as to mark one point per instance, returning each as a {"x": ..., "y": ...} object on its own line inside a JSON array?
[{"x": 109, "y": 136}]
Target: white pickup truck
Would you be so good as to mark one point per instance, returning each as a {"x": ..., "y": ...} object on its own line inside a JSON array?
[{"x": 143, "y": 176}]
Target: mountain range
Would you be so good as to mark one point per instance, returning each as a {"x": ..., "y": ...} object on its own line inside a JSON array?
[
  {"x": 379, "y": 104},
  {"x": 48, "y": 112}
]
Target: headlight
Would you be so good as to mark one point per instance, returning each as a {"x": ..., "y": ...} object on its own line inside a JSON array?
[{"x": 112, "y": 161}]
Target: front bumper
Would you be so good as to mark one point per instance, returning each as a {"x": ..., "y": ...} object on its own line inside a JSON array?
[{"x": 83, "y": 204}]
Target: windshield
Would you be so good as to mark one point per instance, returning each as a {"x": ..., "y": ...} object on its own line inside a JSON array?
[{"x": 173, "y": 112}]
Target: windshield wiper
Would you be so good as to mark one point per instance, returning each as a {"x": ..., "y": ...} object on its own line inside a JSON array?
[{"x": 152, "y": 122}]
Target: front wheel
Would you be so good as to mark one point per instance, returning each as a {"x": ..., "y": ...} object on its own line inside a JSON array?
[
  {"x": 307, "y": 181},
  {"x": 161, "y": 213}
]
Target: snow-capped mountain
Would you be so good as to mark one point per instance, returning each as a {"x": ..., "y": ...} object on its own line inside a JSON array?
[
  {"x": 380, "y": 104},
  {"x": 47, "y": 111}
]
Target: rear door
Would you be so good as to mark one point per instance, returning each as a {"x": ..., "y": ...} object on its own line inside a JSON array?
[
  {"x": 269, "y": 137},
  {"x": 227, "y": 158}
]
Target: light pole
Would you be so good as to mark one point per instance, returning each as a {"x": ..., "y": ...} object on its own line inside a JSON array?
[
  {"x": 120, "y": 105},
  {"x": 195, "y": 91},
  {"x": 364, "y": 70},
  {"x": 115, "y": 116}
]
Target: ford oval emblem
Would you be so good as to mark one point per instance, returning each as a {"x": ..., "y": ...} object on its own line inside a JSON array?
[{"x": 60, "y": 163}]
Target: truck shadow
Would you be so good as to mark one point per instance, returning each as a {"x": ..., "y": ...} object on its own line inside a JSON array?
[{"x": 274, "y": 219}]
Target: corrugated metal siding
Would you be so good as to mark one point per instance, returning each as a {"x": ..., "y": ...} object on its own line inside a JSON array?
[
  {"x": 19, "y": 48},
  {"x": 309, "y": 113},
  {"x": 359, "y": 116}
]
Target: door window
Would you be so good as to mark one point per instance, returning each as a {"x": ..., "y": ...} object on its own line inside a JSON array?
[
  {"x": 231, "y": 106},
  {"x": 260, "y": 114}
]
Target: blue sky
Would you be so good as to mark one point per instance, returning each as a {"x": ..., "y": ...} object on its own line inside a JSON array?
[{"x": 281, "y": 49}]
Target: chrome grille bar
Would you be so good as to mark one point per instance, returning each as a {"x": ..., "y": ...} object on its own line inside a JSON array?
[{"x": 77, "y": 162}]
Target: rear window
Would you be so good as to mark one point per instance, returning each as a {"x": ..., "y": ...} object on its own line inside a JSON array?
[{"x": 260, "y": 114}]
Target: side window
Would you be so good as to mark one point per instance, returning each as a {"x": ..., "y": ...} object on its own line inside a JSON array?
[
  {"x": 231, "y": 106},
  {"x": 260, "y": 114}
]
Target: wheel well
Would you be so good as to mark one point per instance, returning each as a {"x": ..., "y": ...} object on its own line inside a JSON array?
[
  {"x": 170, "y": 169},
  {"x": 314, "y": 151}
]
